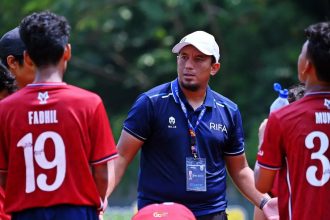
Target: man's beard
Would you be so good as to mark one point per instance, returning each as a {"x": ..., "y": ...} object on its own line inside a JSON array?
[{"x": 190, "y": 87}]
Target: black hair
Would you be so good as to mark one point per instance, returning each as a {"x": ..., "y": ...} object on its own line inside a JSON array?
[
  {"x": 7, "y": 80},
  {"x": 45, "y": 36},
  {"x": 318, "y": 49},
  {"x": 296, "y": 92}
]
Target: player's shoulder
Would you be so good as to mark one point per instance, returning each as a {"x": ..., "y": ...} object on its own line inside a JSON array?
[
  {"x": 158, "y": 93},
  {"x": 83, "y": 94},
  {"x": 159, "y": 90},
  {"x": 221, "y": 100},
  {"x": 12, "y": 98}
]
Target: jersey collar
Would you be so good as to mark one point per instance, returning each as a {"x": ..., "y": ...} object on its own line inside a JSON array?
[{"x": 46, "y": 84}]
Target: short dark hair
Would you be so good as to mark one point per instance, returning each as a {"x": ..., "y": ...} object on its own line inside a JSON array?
[
  {"x": 7, "y": 80},
  {"x": 318, "y": 49},
  {"x": 296, "y": 92},
  {"x": 45, "y": 36}
]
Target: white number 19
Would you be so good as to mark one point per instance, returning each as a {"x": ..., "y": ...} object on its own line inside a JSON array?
[{"x": 38, "y": 154}]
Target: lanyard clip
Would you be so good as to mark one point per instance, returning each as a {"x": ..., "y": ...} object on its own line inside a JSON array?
[{"x": 194, "y": 151}]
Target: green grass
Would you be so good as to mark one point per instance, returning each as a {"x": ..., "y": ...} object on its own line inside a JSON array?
[
  {"x": 117, "y": 216},
  {"x": 118, "y": 213}
]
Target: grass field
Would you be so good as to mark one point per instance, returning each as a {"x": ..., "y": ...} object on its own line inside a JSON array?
[
  {"x": 119, "y": 213},
  {"x": 118, "y": 216}
]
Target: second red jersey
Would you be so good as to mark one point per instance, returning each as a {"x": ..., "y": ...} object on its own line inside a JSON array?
[{"x": 296, "y": 142}]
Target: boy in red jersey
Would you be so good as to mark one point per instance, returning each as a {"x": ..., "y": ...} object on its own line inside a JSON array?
[
  {"x": 296, "y": 92},
  {"x": 57, "y": 147},
  {"x": 297, "y": 137}
]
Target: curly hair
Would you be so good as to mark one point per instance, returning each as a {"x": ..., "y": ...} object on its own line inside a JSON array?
[
  {"x": 45, "y": 36},
  {"x": 7, "y": 80},
  {"x": 296, "y": 92},
  {"x": 318, "y": 49}
]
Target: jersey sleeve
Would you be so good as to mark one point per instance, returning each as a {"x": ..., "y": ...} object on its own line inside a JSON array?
[
  {"x": 139, "y": 119},
  {"x": 236, "y": 135},
  {"x": 102, "y": 141},
  {"x": 270, "y": 153}
]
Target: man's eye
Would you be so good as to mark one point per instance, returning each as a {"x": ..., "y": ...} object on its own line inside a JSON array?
[
  {"x": 199, "y": 59},
  {"x": 183, "y": 57}
]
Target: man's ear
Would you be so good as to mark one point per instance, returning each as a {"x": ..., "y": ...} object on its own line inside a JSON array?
[
  {"x": 12, "y": 62},
  {"x": 308, "y": 68},
  {"x": 67, "y": 52},
  {"x": 27, "y": 59},
  {"x": 215, "y": 68}
]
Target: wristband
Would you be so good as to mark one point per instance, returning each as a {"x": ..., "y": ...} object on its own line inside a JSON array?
[{"x": 263, "y": 202}]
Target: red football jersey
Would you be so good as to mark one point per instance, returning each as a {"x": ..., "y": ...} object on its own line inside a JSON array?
[
  {"x": 50, "y": 136},
  {"x": 296, "y": 142}
]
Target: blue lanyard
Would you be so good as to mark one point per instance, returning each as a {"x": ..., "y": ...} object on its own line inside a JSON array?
[{"x": 192, "y": 129}]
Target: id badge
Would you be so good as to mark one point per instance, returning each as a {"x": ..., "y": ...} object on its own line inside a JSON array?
[{"x": 196, "y": 174}]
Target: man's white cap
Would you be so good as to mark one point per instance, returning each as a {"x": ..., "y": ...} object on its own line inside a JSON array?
[{"x": 203, "y": 41}]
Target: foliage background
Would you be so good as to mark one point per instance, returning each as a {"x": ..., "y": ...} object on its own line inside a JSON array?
[{"x": 123, "y": 47}]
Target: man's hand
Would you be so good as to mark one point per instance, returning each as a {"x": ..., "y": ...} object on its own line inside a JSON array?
[
  {"x": 270, "y": 209},
  {"x": 101, "y": 215}
]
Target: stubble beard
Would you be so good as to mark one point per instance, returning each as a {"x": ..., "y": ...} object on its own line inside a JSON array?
[{"x": 190, "y": 87}]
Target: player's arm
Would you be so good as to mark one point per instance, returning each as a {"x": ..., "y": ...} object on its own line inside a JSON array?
[
  {"x": 127, "y": 148},
  {"x": 242, "y": 176},
  {"x": 261, "y": 133},
  {"x": 102, "y": 178},
  {"x": 264, "y": 179}
]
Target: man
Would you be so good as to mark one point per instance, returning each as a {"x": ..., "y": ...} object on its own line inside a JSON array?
[
  {"x": 297, "y": 136},
  {"x": 56, "y": 147},
  {"x": 11, "y": 55},
  {"x": 7, "y": 87},
  {"x": 185, "y": 127}
]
